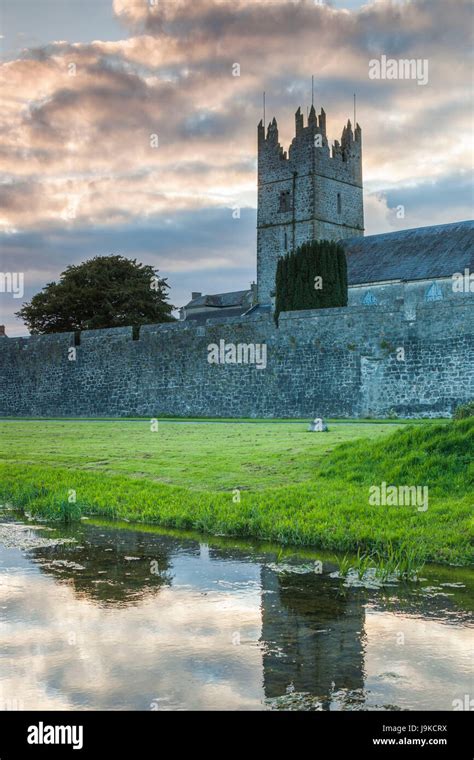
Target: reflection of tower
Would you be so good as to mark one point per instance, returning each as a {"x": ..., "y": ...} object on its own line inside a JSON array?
[{"x": 312, "y": 635}]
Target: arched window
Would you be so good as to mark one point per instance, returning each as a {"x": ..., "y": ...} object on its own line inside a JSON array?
[
  {"x": 339, "y": 203},
  {"x": 369, "y": 299},
  {"x": 434, "y": 293}
]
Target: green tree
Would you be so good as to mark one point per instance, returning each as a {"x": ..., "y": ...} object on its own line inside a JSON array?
[
  {"x": 296, "y": 273},
  {"x": 105, "y": 291}
]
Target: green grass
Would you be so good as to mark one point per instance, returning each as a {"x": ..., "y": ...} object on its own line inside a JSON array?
[
  {"x": 295, "y": 487},
  {"x": 200, "y": 456},
  {"x": 402, "y": 563}
]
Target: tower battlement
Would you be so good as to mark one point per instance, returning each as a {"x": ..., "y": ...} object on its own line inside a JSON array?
[
  {"x": 346, "y": 152},
  {"x": 311, "y": 192}
]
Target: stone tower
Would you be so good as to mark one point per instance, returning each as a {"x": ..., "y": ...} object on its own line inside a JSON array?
[{"x": 314, "y": 193}]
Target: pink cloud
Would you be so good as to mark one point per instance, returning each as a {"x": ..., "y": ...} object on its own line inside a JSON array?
[{"x": 79, "y": 119}]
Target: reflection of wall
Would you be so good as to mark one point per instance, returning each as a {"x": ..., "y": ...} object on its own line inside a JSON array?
[{"x": 313, "y": 636}]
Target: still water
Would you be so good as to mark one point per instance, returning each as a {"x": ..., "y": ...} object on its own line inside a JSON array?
[{"x": 100, "y": 616}]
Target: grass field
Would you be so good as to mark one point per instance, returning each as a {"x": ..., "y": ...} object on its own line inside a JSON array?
[
  {"x": 213, "y": 456},
  {"x": 272, "y": 481}
]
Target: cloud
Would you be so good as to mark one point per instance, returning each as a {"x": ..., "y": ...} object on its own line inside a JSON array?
[{"x": 79, "y": 115}]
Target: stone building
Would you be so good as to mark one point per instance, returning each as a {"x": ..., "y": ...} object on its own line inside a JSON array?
[
  {"x": 312, "y": 193},
  {"x": 315, "y": 193},
  {"x": 404, "y": 345},
  {"x": 411, "y": 267},
  {"x": 234, "y": 304}
]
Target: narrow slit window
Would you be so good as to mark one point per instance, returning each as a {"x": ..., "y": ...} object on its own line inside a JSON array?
[
  {"x": 285, "y": 201},
  {"x": 339, "y": 203}
]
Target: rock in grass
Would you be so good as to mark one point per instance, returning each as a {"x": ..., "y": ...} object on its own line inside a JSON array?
[{"x": 318, "y": 426}]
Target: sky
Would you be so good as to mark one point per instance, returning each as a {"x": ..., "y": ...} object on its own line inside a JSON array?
[{"x": 124, "y": 129}]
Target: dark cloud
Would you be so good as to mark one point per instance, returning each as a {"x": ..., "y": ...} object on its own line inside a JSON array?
[{"x": 447, "y": 199}]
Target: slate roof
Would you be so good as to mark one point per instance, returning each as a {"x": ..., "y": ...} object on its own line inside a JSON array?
[
  {"x": 417, "y": 254},
  {"x": 223, "y": 300},
  {"x": 203, "y": 316}
]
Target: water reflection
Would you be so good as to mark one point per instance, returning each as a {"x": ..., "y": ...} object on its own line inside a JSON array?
[
  {"x": 125, "y": 619},
  {"x": 314, "y": 637}
]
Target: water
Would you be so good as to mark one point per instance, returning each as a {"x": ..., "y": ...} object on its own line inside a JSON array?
[{"x": 105, "y": 617}]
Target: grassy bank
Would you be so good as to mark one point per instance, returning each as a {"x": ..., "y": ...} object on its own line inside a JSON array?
[{"x": 293, "y": 487}]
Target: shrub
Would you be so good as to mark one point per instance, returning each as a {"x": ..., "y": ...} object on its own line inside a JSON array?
[
  {"x": 464, "y": 410},
  {"x": 296, "y": 276}
]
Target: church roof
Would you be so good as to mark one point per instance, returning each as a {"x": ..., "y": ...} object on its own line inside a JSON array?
[
  {"x": 222, "y": 300},
  {"x": 423, "y": 253},
  {"x": 417, "y": 254}
]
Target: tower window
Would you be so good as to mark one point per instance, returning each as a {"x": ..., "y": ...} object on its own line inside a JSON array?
[
  {"x": 339, "y": 203},
  {"x": 285, "y": 201},
  {"x": 286, "y": 241}
]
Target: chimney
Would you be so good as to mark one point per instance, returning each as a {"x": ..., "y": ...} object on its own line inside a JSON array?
[{"x": 195, "y": 295}]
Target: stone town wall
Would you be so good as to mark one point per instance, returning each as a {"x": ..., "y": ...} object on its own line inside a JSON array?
[{"x": 356, "y": 362}]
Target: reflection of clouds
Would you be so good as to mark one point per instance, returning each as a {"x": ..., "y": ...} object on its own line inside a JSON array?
[
  {"x": 200, "y": 643},
  {"x": 176, "y": 647},
  {"x": 431, "y": 668}
]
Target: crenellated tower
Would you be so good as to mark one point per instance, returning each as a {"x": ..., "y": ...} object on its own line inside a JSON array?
[{"x": 311, "y": 193}]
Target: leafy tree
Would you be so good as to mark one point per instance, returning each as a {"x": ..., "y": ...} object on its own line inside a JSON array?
[
  {"x": 296, "y": 273},
  {"x": 105, "y": 291}
]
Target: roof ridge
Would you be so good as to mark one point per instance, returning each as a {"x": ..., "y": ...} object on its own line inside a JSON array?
[{"x": 468, "y": 223}]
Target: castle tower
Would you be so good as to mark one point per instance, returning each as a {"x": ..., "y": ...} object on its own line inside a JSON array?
[{"x": 310, "y": 194}]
